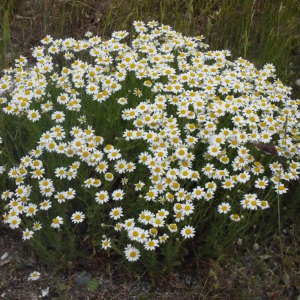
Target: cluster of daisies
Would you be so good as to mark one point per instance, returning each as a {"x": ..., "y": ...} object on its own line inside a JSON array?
[{"x": 209, "y": 122}]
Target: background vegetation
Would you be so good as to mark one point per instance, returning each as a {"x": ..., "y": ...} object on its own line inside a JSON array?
[{"x": 260, "y": 31}]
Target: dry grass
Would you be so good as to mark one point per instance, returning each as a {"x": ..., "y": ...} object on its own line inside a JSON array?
[{"x": 257, "y": 30}]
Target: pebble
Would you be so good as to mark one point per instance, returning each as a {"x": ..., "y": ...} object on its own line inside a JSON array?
[
  {"x": 5, "y": 255},
  {"x": 83, "y": 279}
]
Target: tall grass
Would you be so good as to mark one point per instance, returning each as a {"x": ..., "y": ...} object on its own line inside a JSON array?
[{"x": 261, "y": 31}]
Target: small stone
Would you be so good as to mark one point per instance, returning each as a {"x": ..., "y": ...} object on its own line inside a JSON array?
[
  {"x": 4, "y": 256},
  {"x": 30, "y": 262},
  {"x": 83, "y": 279},
  {"x": 18, "y": 260},
  {"x": 45, "y": 292},
  {"x": 297, "y": 82},
  {"x": 256, "y": 246},
  {"x": 5, "y": 261}
]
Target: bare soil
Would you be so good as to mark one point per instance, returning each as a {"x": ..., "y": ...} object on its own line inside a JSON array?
[
  {"x": 243, "y": 274},
  {"x": 108, "y": 279}
]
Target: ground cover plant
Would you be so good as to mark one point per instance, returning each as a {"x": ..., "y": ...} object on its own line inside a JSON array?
[
  {"x": 143, "y": 145},
  {"x": 174, "y": 135}
]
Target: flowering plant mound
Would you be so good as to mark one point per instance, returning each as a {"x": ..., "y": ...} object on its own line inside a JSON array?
[{"x": 137, "y": 145}]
